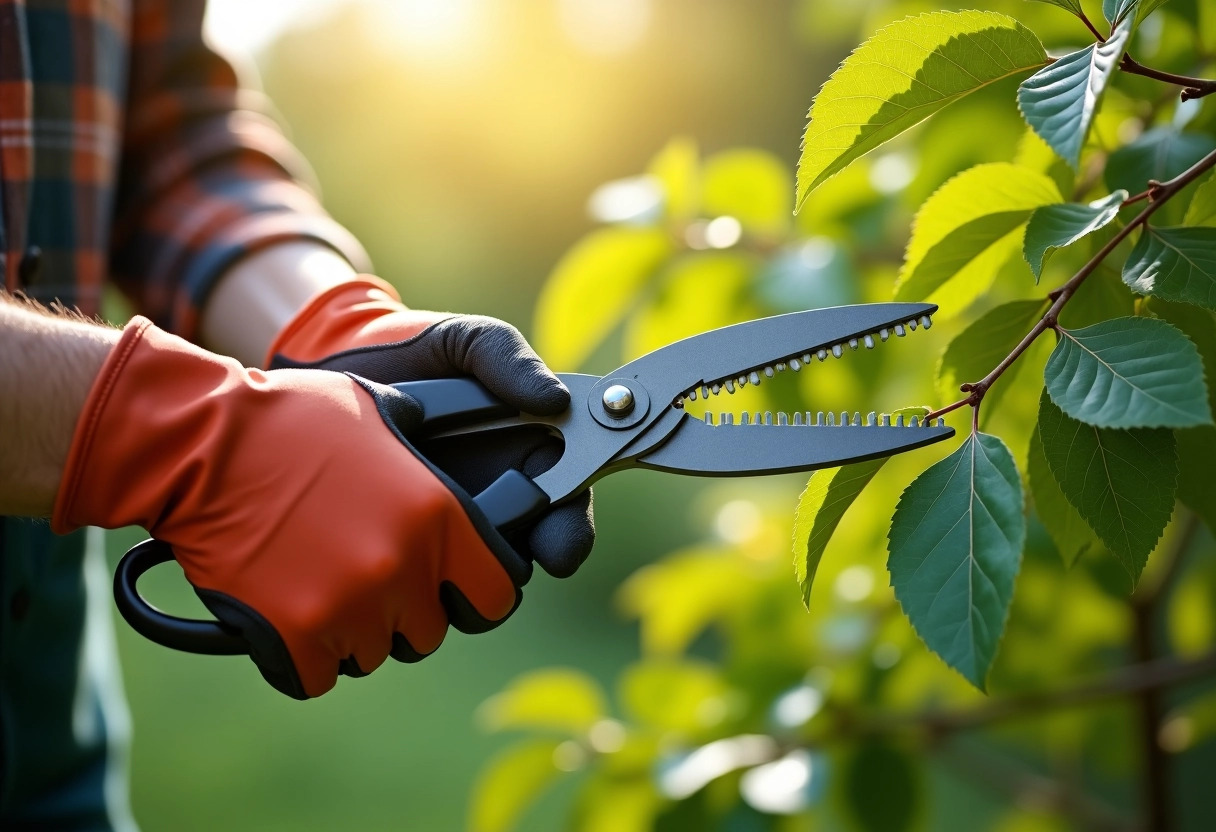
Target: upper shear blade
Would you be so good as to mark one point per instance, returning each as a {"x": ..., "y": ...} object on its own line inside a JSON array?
[
  {"x": 700, "y": 449},
  {"x": 734, "y": 351}
]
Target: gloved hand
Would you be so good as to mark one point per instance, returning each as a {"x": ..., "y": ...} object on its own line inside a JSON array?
[
  {"x": 361, "y": 327},
  {"x": 293, "y": 503}
]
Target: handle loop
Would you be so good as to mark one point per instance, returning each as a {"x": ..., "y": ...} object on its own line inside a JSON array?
[{"x": 188, "y": 634}]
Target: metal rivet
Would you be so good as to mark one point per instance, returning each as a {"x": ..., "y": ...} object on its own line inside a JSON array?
[{"x": 618, "y": 400}]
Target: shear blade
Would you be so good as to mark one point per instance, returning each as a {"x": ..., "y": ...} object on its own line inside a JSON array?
[{"x": 745, "y": 450}]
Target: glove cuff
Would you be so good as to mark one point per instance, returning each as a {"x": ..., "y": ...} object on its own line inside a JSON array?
[{"x": 337, "y": 319}]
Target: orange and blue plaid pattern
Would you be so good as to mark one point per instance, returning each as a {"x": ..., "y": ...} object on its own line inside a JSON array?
[{"x": 130, "y": 152}]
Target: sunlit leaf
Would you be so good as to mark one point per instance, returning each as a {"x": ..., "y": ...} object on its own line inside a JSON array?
[
  {"x": 970, "y": 216},
  {"x": 511, "y": 782},
  {"x": 981, "y": 346},
  {"x": 753, "y": 186},
  {"x": 618, "y": 805},
  {"x": 1068, "y": 530},
  {"x": 1128, "y": 373},
  {"x": 902, "y": 799},
  {"x": 677, "y": 167},
  {"x": 683, "y": 697},
  {"x": 827, "y": 496},
  {"x": 1057, "y": 226},
  {"x": 901, "y": 76},
  {"x": 1174, "y": 264},
  {"x": 679, "y": 596},
  {"x": 1121, "y": 481},
  {"x": 555, "y": 699},
  {"x": 1202, "y": 210},
  {"x": 1060, "y": 101},
  {"x": 955, "y": 548},
  {"x": 1158, "y": 154},
  {"x": 699, "y": 291},
  {"x": 591, "y": 289}
]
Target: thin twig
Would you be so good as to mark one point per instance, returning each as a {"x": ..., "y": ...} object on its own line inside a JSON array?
[
  {"x": 1158, "y": 194},
  {"x": 1085, "y": 19},
  {"x": 1191, "y": 87}
]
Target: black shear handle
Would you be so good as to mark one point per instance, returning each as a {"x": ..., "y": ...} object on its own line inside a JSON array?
[{"x": 508, "y": 502}]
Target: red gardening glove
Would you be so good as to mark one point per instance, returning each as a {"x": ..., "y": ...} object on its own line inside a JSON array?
[
  {"x": 293, "y": 503},
  {"x": 361, "y": 327}
]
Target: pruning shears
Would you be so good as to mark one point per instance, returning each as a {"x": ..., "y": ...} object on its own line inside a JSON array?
[{"x": 637, "y": 416}]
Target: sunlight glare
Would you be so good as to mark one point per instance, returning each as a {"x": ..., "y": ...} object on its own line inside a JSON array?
[{"x": 605, "y": 27}]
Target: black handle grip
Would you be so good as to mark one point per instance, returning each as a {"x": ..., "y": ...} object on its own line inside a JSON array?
[
  {"x": 190, "y": 635},
  {"x": 452, "y": 402},
  {"x": 511, "y": 500}
]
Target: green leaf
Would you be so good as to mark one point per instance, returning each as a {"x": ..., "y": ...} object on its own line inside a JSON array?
[
  {"x": 1121, "y": 481},
  {"x": 955, "y": 549},
  {"x": 1057, "y": 226},
  {"x": 679, "y": 596},
  {"x": 827, "y": 497},
  {"x": 678, "y": 168},
  {"x": 510, "y": 784},
  {"x": 1116, "y": 10},
  {"x": 878, "y": 762},
  {"x": 902, "y": 75},
  {"x": 1202, "y": 210},
  {"x": 1160, "y": 154},
  {"x": 753, "y": 186},
  {"x": 554, "y": 699},
  {"x": 962, "y": 230},
  {"x": 1174, "y": 264},
  {"x": 591, "y": 289},
  {"x": 981, "y": 346},
  {"x": 1073, "y": 6},
  {"x": 1068, "y": 530},
  {"x": 684, "y": 697},
  {"x": 1059, "y": 102},
  {"x": 1128, "y": 373}
]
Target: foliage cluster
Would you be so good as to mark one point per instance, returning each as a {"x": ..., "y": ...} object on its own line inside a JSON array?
[{"x": 1083, "y": 475}]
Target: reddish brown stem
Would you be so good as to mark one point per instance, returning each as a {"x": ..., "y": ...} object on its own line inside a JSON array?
[
  {"x": 1158, "y": 194},
  {"x": 1085, "y": 19},
  {"x": 1191, "y": 87}
]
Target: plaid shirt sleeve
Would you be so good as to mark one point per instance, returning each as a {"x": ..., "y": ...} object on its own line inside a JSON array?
[{"x": 206, "y": 175}]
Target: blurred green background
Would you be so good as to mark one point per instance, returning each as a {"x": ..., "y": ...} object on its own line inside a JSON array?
[{"x": 461, "y": 141}]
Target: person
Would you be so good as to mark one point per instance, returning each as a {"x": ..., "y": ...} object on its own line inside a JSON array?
[{"x": 244, "y": 416}]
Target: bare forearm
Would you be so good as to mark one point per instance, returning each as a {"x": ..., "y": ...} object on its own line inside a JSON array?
[
  {"x": 257, "y": 297},
  {"x": 47, "y": 366}
]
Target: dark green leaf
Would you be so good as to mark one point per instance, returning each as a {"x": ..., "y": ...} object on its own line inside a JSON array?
[
  {"x": 1202, "y": 210},
  {"x": 902, "y": 75},
  {"x": 1056, "y": 226},
  {"x": 1060, "y": 101},
  {"x": 1116, "y": 10},
  {"x": 827, "y": 497},
  {"x": 1068, "y": 530},
  {"x": 1121, "y": 481},
  {"x": 1175, "y": 264},
  {"x": 880, "y": 765},
  {"x": 982, "y": 345},
  {"x": 510, "y": 783},
  {"x": 1161, "y": 153},
  {"x": 955, "y": 548},
  {"x": 961, "y": 231},
  {"x": 1128, "y": 373}
]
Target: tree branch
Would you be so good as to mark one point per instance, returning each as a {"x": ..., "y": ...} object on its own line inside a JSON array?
[
  {"x": 1191, "y": 87},
  {"x": 1157, "y": 194}
]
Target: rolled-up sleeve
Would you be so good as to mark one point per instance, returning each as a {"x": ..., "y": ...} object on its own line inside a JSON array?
[{"x": 206, "y": 177}]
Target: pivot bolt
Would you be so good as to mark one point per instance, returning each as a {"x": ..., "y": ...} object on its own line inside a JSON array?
[{"x": 618, "y": 400}]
